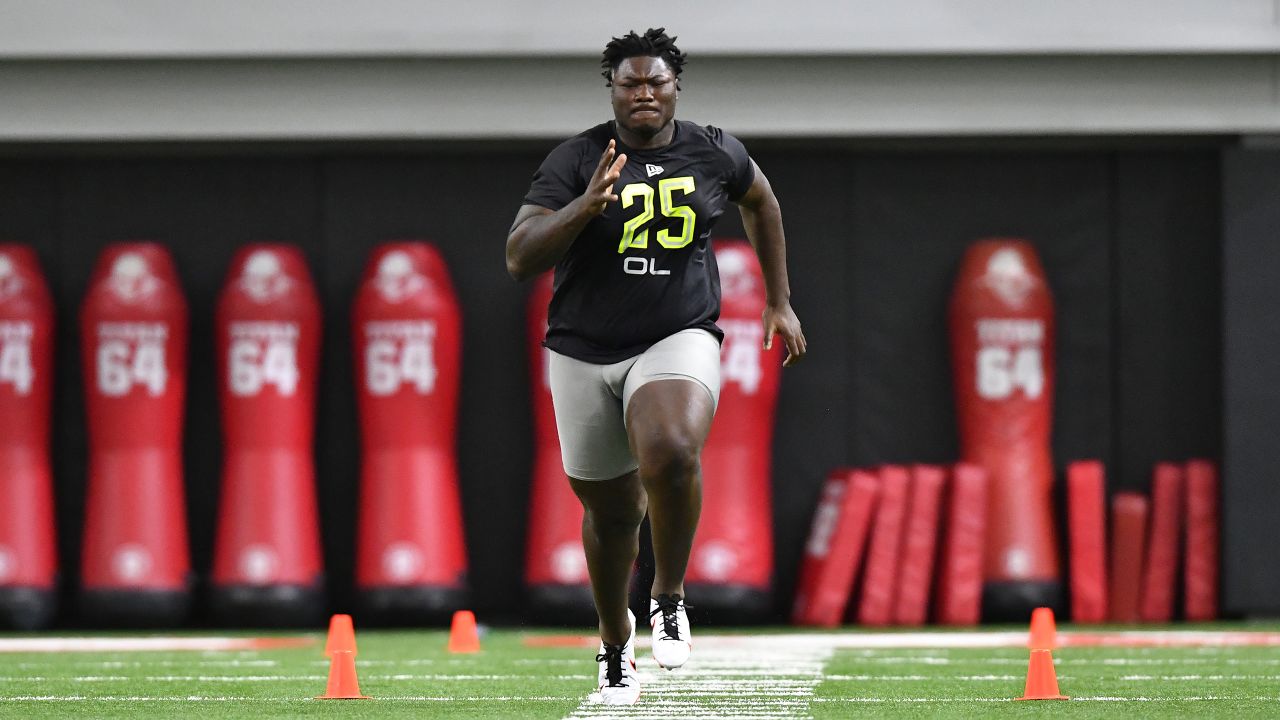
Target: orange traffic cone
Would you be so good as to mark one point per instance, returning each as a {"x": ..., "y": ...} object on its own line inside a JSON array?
[
  {"x": 1044, "y": 631},
  {"x": 1042, "y": 679},
  {"x": 463, "y": 637},
  {"x": 343, "y": 684},
  {"x": 342, "y": 636}
]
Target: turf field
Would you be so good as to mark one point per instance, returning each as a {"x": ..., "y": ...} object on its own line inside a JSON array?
[{"x": 761, "y": 674}]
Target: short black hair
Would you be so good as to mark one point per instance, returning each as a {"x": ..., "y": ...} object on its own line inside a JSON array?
[{"x": 654, "y": 43}]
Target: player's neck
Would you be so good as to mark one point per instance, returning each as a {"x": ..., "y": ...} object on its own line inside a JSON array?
[{"x": 639, "y": 142}]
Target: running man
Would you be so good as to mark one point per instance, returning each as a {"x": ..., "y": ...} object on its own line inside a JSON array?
[{"x": 624, "y": 213}]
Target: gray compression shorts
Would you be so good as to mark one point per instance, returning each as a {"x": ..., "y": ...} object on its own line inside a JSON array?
[{"x": 591, "y": 400}]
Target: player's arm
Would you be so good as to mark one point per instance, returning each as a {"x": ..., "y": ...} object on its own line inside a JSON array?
[
  {"x": 762, "y": 219},
  {"x": 539, "y": 236}
]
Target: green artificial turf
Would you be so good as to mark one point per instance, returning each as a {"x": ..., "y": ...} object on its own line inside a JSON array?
[
  {"x": 410, "y": 675},
  {"x": 1238, "y": 682}
]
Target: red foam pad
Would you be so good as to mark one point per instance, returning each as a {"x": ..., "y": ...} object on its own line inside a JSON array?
[
  {"x": 1160, "y": 569},
  {"x": 1129, "y": 512},
  {"x": 833, "y": 554},
  {"x": 876, "y": 607},
  {"x": 1201, "y": 576},
  {"x": 918, "y": 544},
  {"x": 1086, "y": 496},
  {"x": 959, "y": 598}
]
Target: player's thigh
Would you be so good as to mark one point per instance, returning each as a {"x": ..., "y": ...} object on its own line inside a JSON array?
[
  {"x": 671, "y": 393},
  {"x": 589, "y": 421}
]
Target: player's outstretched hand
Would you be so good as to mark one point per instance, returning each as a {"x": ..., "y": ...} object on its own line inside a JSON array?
[
  {"x": 600, "y": 190},
  {"x": 782, "y": 320}
]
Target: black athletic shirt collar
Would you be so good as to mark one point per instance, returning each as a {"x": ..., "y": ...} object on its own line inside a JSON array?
[{"x": 630, "y": 151}]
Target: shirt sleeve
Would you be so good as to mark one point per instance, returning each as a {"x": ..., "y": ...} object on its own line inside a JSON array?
[
  {"x": 740, "y": 173},
  {"x": 559, "y": 180}
]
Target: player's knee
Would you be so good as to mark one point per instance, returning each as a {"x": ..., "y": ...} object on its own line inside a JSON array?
[
  {"x": 618, "y": 518},
  {"x": 670, "y": 462}
]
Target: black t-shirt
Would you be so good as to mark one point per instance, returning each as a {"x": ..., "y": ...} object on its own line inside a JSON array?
[{"x": 644, "y": 268}]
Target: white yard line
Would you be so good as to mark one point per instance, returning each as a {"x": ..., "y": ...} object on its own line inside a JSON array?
[
  {"x": 919, "y": 678},
  {"x": 1022, "y": 661},
  {"x": 1208, "y": 640},
  {"x": 723, "y": 682},
  {"x": 137, "y": 644},
  {"x": 285, "y": 678},
  {"x": 1087, "y": 698},
  {"x": 244, "y": 698},
  {"x": 62, "y": 663},
  {"x": 654, "y": 710},
  {"x": 1200, "y": 678}
]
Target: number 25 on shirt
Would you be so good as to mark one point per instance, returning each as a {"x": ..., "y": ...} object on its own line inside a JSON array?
[{"x": 635, "y": 232}]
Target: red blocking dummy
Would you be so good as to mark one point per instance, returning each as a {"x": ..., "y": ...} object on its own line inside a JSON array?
[
  {"x": 919, "y": 540},
  {"x": 28, "y": 550},
  {"x": 135, "y": 564},
  {"x": 1160, "y": 569},
  {"x": 411, "y": 561},
  {"x": 1201, "y": 576},
  {"x": 880, "y": 581},
  {"x": 266, "y": 565},
  {"x": 959, "y": 595},
  {"x": 731, "y": 566},
  {"x": 1087, "y": 530},
  {"x": 1129, "y": 511},
  {"x": 555, "y": 563},
  {"x": 1002, "y": 339},
  {"x": 834, "y": 551}
]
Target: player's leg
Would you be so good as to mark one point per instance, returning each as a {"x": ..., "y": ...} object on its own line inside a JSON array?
[
  {"x": 612, "y": 513},
  {"x": 670, "y": 398},
  {"x": 668, "y": 421},
  {"x": 598, "y": 461}
]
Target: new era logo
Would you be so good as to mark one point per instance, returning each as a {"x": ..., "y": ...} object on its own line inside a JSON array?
[{"x": 653, "y": 169}]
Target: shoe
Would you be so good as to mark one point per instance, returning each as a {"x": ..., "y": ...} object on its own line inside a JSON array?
[
  {"x": 670, "y": 623},
  {"x": 619, "y": 682}
]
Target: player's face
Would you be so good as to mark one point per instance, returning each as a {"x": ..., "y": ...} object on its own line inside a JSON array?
[{"x": 644, "y": 95}]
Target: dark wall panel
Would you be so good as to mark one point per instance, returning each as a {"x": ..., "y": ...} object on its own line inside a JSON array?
[
  {"x": 1251, "y": 381},
  {"x": 914, "y": 218},
  {"x": 1168, "y": 284},
  {"x": 29, "y": 197},
  {"x": 810, "y": 436},
  {"x": 874, "y": 241}
]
